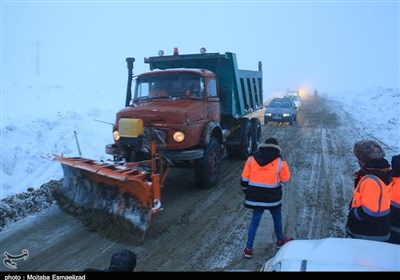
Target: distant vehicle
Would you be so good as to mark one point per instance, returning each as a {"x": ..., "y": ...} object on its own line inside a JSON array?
[
  {"x": 296, "y": 99},
  {"x": 280, "y": 110},
  {"x": 335, "y": 254},
  {"x": 293, "y": 92}
]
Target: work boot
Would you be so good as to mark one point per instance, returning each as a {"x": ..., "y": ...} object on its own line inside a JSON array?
[
  {"x": 247, "y": 253},
  {"x": 285, "y": 240}
]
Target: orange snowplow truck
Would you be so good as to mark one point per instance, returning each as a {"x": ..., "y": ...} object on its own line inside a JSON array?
[
  {"x": 187, "y": 111},
  {"x": 194, "y": 106}
]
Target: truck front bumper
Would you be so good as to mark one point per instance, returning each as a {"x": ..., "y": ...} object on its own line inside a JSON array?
[
  {"x": 112, "y": 149},
  {"x": 183, "y": 155}
]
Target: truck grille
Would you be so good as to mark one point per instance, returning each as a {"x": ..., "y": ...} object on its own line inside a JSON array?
[{"x": 159, "y": 135}]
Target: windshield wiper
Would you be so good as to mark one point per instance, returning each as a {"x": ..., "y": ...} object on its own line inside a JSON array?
[
  {"x": 141, "y": 98},
  {"x": 162, "y": 97}
]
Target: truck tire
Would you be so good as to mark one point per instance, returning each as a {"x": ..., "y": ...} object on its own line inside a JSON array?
[
  {"x": 256, "y": 127},
  {"x": 207, "y": 168},
  {"x": 246, "y": 141}
]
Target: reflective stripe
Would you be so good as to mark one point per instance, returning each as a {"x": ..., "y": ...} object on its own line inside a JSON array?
[
  {"x": 278, "y": 170},
  {"x": 395, "y": 229},
  {"x": 261, "y": 185},
  {"x": 369, "y": 237},
  {"x": 263, "y": 204},
  {"x": 279, "y": 165},
  {"x": 395, "y": 204},
  {"x": 358, "y": 215},
  {"x": 375, "y": 214},
  {"x": 245, "y": 179}
]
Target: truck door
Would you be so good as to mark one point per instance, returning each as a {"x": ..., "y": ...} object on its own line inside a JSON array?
[{"x": 213, "y": 101}]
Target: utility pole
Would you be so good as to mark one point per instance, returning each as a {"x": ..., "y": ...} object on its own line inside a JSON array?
[{"x": 37, "y": 57}]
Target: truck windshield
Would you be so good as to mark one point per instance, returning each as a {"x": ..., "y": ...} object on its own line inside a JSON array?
[{"x": 169, "y": 85}]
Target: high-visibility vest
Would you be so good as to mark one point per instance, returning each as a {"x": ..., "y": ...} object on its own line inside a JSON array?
[
  {"x": 373, "y": 195},
  {"x": 267, "y": 176}
]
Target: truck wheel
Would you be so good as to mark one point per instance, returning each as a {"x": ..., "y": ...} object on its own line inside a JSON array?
[
  {"x": 256, "y": 128},
  {"x": 206, "y": 169},
  {"x": 246, "y": 141}
]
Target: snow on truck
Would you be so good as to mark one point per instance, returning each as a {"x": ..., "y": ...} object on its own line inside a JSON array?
[{"x": 187, "y": 111}]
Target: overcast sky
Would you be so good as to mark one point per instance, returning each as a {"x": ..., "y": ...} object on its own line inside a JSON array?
[{"x": 327, "y": 45}]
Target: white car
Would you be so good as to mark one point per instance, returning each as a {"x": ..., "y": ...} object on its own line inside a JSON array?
[
  {"x": 335, "y": 254},
  {"x": 296, "y": 99}
]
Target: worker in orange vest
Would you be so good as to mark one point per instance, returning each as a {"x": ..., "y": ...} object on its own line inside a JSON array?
[
  {"x": 262, "y": 178},
  {"x": 395, "y": 201},
  {"x": 369, "y": 215}
]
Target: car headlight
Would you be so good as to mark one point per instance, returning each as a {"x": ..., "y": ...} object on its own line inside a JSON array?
[
  {"x": 286, "y": 115},
  {"x": 268, "y": 114},
  {"x": 179, "y": 136},
  {"x": 269, "y": 266}
]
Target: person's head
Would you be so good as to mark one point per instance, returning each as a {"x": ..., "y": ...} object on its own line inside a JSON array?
[
  {"x": 270, "y": 143},
  {"x": 124, "y": 260},
  {"x": 396, "y": 166},
  {"x": 368, "y": 151}
]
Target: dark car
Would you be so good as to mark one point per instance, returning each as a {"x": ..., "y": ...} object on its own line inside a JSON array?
[{"x": 280, "y": 110}]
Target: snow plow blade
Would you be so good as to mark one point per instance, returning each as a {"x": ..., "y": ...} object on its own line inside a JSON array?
[{"x": 129, "y": 190}]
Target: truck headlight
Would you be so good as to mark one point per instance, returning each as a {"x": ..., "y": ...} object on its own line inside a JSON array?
[
  {"x": 179, "y": 136},
  {"x": 116, "y": 135}
]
